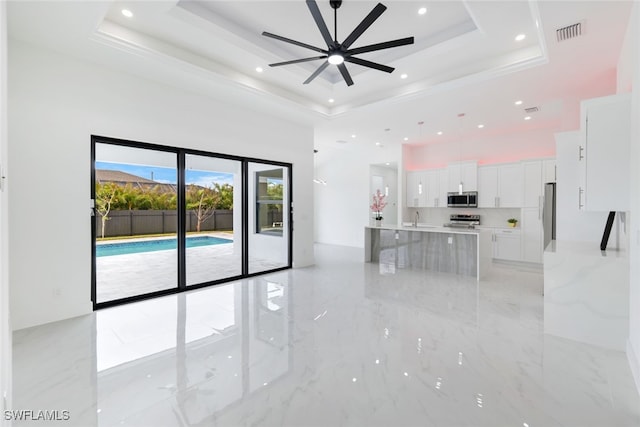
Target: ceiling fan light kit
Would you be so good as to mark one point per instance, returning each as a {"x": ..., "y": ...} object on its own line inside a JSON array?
[{"x": 338, "y": 53}]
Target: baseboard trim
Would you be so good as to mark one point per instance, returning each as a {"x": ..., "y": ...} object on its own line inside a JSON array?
[{"x": 634, "y": 364}]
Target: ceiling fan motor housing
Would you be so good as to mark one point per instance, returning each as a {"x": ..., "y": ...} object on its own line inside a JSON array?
[{"x": 335, "y": 3}]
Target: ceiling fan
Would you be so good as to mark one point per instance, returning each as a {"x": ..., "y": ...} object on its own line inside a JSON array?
[{"x": 338, "y": 53}]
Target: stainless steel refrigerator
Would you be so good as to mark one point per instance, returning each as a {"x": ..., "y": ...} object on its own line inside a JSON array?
[{"x": 549, "y": 213}]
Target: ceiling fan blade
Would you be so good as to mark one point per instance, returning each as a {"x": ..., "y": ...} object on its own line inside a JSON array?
[
  {"x": 345, "y": 74},
  {"x": 297, "y": 43},
  {"x": 317, "y": 72},
  {"x": 369, "y": 64},
  {"x": 322, "y": 26},
  {"x": 297, "y": 61},
  {"x": 366, "y": 23},
  {"x": 380, "y": 46}
]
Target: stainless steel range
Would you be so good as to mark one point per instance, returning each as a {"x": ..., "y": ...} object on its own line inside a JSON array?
[{"x": 463, "y": 221}]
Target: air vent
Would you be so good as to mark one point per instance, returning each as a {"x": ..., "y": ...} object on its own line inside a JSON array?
[
  {"x": 569, "y": 32},
  {"x": 531, "y": 110}
]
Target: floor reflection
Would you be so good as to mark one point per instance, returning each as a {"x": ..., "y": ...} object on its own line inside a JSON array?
[
  {"x": 187, "y": 357},
  {"x": 340, "y": 343}
]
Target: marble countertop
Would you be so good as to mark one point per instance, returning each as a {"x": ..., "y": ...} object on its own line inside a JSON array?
[{"x": 429, "y": 229}]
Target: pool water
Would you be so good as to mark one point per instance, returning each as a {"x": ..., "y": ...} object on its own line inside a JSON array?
[{"x": 108, "y": 249}]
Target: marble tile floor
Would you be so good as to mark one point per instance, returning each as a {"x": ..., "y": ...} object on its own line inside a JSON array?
[{"x": 342, "y": 343}]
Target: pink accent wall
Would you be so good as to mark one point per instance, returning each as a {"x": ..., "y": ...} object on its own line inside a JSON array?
[{"x": 490, "y": 149}]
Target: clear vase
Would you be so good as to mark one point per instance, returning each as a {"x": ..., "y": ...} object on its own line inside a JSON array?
[{"x": 378, "y": 223}]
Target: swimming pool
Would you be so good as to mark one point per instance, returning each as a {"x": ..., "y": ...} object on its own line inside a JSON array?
[{"x": 108, "y": 249}]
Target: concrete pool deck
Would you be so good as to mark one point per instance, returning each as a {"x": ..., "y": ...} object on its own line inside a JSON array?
[{"x": 121, "y": 276}]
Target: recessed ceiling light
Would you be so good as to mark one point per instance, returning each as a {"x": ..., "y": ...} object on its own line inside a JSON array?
[
  {"x": 406, "y": 138},
  {"x": 518, "y": 102},
  {"x": 259, "y": 69},
  {"x": 353, "y": 136},
  {"x": 127, "y": 13},
  {"x": 378, "y": 144},
  {"x": 440, "y": 133},
  {"x": 387, "y": 163},
  {"x": 331, "y": 100},
  {"x": 520, "y": 37},
  {"x": 403, "y": 76},
  {"x": 422, "y": 11},
  {"x": 528, "y": 118},
  {"x": 480, "y": 126}
]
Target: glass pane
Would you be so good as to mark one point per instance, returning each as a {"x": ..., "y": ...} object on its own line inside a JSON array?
[
  {"x": 213, "y": 218},
  {"x": 136, "y": 221},
  {"x": 268, "y": 217}
]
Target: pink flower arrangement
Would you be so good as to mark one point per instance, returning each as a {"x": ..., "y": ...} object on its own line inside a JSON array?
[{"x": 378, "y": 204}]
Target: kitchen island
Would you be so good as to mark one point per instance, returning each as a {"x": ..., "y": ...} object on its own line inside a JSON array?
[{"x": 461, "y": 251}]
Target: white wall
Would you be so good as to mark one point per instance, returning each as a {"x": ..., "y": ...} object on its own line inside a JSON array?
[
  {"x": 630, "y": 55},
  {"x": 342, "y": 206},
  {"x": 5, "y": 323},
  {"x": 55, "y": 104}
]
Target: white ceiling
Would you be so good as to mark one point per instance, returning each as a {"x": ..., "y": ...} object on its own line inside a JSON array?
[{"x": 465, "y": 59}]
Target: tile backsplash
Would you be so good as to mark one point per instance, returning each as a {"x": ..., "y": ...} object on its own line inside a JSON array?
[{"x": 491, "y": 217}]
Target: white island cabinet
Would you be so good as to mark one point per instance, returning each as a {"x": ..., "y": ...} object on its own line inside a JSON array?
[{"x": 442, "y": 249}]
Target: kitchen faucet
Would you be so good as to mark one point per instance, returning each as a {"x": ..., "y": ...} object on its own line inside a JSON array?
[{"x": 415, "y": 220}]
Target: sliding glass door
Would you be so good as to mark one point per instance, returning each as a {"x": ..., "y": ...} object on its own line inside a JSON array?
[
  {"x": 213, "y": 218},
  {"x": 169, "y": 219},
  {"x": 136, "y": 221},
  {"x": 269, "y": 219}
]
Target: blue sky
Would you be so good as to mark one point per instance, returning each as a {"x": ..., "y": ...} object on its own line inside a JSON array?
[{"x": 168, "y": 175}]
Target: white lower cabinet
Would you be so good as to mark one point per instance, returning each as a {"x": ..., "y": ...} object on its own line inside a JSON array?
[
  {"x": 506, "y": 244},
  {"x": 532, "y": 235}
]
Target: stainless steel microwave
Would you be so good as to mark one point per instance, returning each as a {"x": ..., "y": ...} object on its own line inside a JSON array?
[{"x": 468, "y": 199}]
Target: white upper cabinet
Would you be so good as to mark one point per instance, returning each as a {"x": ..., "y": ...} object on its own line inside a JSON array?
[
  {"x": 500, "y": 186},
  {"x": 443, "y": 175},
  {"x": 427, "y": 188},
  {"x": 532, "y": 171},
  {"x": 605, "y": 139},
  {"x": 549, "y": 171},
  {"x": 488, "y": 187},
  {"x": 416, "y": 183},
  {"x": 509, "y": 186},
  {"x": 465, "y": 173},
  {"x": 412, "y": 189},
  {"x": 432, "y": 188}
]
